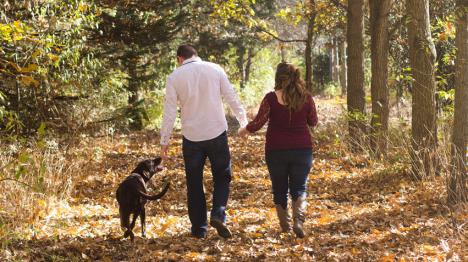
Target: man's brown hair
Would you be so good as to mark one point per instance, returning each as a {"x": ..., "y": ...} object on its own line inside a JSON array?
[{"x": 186, "y": 51}]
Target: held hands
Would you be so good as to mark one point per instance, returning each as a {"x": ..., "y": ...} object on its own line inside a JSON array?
[{"x": 243, "y": 132}]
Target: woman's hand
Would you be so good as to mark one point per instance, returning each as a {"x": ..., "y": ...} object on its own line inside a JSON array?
[{"x": 242, "y": 132}]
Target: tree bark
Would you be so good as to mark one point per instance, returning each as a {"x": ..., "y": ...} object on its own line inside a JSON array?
[
  {"x": 457, "y": 191},
  {"x": 241, "y": 65},
  {"x": 379, "y": 12},
  {"x": 343, "y": 68},
  {"x": 355, "y": 63},
  {"x": 283, "y": 53},
  {"x": 135, "y": 113},
  {"x": 422, "y": 57},
  {"x": 248, "y": 65},
  {"x": 308, "y": 49},
  {"x": 334, "y": 61}
]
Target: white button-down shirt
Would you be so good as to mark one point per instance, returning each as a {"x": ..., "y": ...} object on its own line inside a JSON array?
[{"x": 198, "y": 87}]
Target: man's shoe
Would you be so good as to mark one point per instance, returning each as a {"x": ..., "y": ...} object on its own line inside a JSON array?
[
  {"x": 201, "y": 234},
  {"x": 223, "y": 231}
]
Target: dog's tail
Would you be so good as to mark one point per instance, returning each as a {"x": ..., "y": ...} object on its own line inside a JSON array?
[{"x": 154, "y": 197}]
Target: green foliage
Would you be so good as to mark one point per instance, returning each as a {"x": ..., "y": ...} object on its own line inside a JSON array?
[
  {"x": 43, "y": 54},
  {"x": 449, "y": 95},
  {"x": 292, "y": 15},
  {"x": 262, "y": 79},
  {"x": 358, "y": 116},
  {"x": 331, "y": 89},
  {"x": 154, "y": 107}
]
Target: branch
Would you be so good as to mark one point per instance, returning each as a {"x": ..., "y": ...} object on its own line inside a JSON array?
[
  {"x": 283, "y": 40},
  {"x": 12, "y": 179},
  {"x": 70, "y": 98}
]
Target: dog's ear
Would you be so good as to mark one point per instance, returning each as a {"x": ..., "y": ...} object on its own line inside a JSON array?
[
  {"x": 157, "y": 161},
  {"x": 141, "y": 167}
]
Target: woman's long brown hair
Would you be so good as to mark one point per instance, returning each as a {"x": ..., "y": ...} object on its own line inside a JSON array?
[{"x": 288, "y": 79}]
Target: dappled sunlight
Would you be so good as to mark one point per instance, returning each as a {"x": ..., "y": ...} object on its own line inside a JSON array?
[{"x": 358, "y": 209}]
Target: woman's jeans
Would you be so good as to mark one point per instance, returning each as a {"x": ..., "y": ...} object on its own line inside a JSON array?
[
  {"x": 289, "y": 170},
  {"x": 195, "y": 154}
]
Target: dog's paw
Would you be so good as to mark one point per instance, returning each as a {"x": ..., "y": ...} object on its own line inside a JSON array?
[{"x": 130, "y": 234}]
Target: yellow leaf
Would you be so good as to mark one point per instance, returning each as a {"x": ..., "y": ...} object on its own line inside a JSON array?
[
  {"x": 29, "y": 68},
  {"x": 83, "y": 7},
  {"x": 387, "y": 258},
  {"x": 429, "y": 250},
  {"x": 17, "y": 37},
  {"x": 167, "y": 224},
  {"x": 256, "y": 234},
  {"x": 17, "y": 24},
  {"x": 41, "y": 202},
  {"x": 325, "y": 219},
  {"x": 36, "y": 53},
  {"x": 53, "y": 57},
  {"x": 194, "y": 256},
  {"x": 122, "y": 149},
  {"x": 29, "y": 81}
]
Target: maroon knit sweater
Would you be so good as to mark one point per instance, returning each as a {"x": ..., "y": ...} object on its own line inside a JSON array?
[{"x": 286, "y": 129}]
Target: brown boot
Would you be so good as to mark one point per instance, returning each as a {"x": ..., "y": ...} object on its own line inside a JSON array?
[
  {"x": 299, "y": 207},
  {"x": 284, "y": 218}
]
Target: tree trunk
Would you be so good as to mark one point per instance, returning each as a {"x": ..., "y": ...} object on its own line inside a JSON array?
[
  {"x": 308, "y": 49},
  {"x": 343, "y": 68},
  {"x": 248, "y": 65},
  {"x": 240, "y": 65},
  {"x": 379, "y": 12},
  {"x": 355, "y": 63},
  {"x": 283, "y": 53},
  {"x": 422, "y": 57},
  {"x": 334, "y": 61},
  {"x": 135, "y": 111},
  {"x": 457, "y": 191}
]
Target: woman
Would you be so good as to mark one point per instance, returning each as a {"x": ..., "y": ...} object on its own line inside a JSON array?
[{"x": 290, "y": 111}]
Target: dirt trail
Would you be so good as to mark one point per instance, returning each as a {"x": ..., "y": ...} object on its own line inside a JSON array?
[{"x": 358, "y": 209}]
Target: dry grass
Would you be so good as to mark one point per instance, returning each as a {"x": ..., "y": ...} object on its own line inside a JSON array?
[{"x": 33, "y": 175}]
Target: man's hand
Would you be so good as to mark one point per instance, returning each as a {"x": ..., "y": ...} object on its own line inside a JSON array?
[
  {"x": 242, "y": 132},
  {"x": 164, "y": 149}
]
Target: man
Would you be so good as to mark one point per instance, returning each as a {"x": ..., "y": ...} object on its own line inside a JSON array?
[{"x": 198, "y": 87}]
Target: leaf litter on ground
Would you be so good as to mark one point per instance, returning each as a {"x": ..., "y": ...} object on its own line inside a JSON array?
[{"x": 358, "y": 210}]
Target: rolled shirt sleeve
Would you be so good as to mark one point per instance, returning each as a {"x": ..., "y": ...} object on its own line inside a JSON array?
[
  {"x": 231, "y": 98},
  {"x": 170, "y": 112}
]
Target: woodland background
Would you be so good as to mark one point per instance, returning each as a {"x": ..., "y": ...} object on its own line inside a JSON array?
[{"x": 81, "y": 94}]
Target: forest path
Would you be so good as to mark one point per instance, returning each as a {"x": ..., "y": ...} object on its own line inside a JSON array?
[{"x": 358, "y": 209}]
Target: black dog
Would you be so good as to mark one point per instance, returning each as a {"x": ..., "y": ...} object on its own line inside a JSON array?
[{"x": 132, "y": 195}]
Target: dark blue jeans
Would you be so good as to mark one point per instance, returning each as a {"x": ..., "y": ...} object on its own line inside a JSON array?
[
  {"x": 289, "y": 170},
  {"x": 195, "y": 154}
]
